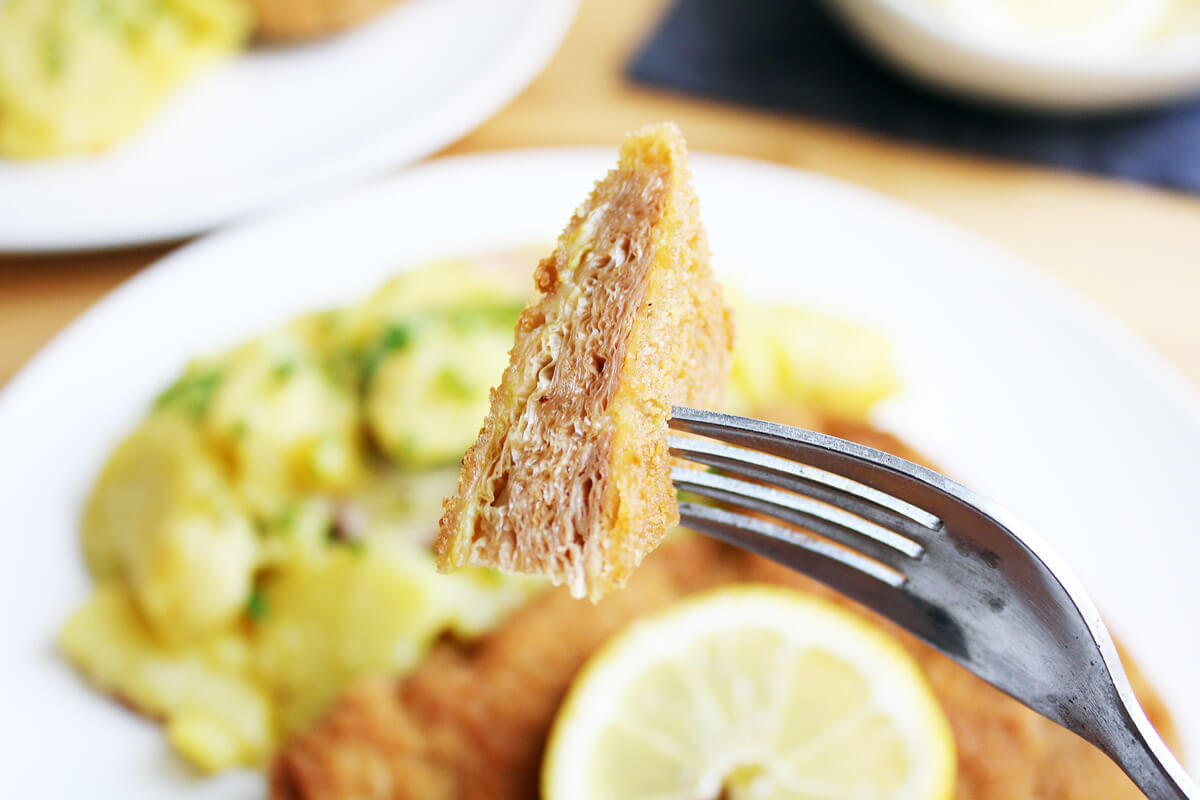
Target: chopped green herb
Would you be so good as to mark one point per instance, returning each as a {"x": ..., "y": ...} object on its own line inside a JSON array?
[
  {"x": 191, "y": 394},
  {"x": 256, "y": 604},
  {"x": 408, "y": 444},
  {"x": 283, "y": 370},
  {"x": 499, "y": 316},
  {"x": 396, "y": 336},
  {"x": 54, "y": 53},
  {"x": 328, "y": 320},
  {"x": 287, "y": 517},
  {"x": 341, "y": 367},
  {"x": 104, "y": 12},
  {"x": 355, "y": 546},
  {"x": 400, "y": 335},
  {"x": 451, "y": 382}
]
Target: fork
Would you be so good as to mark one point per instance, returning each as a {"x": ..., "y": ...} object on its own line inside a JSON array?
[{"x": 934, "y": 557}]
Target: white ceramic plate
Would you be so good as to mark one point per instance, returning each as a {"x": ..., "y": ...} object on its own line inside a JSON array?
[
  {"x": 275, "y": 124},
  {"x": 1013, "y": 385}
]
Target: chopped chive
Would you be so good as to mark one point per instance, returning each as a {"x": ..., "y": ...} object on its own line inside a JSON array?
[
  {"x": 256, "y": 604},
  {"x": 191, "y": 394},
  {"x": 397, "y": 336},
  {"x": 451, "y": 382},
  {"x": 355, "y": 546},
  {"x": 283, "y": 370},
  {"x": 502, "y": 315},
  {"x": 287, "y": 517},
  {"x": 54, "y": 54}
]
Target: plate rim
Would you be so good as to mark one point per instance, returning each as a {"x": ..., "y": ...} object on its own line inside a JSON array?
[
  {"x": 1081, "y": 310},
  {"x": 483, "y": 95}
]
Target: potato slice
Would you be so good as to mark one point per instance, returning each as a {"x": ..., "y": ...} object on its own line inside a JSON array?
[
  {"x": 424, "y": 400},
  {"x": 163, "y": 517},
  {"x": 217, "y": 715}
]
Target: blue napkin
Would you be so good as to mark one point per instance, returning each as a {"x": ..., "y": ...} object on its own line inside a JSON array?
[{"x": 792, "y": 56}]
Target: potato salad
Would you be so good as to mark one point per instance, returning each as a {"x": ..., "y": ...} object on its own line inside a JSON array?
[
  {"x": 262, "y": 538},
  {"x": 77, "y": 75}
]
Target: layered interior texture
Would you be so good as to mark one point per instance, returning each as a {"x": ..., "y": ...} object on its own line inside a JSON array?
[{"x": 570, "y": 475}]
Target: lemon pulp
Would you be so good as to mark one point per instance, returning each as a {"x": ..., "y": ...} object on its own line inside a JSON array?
[{"x": 754, "y": 693}]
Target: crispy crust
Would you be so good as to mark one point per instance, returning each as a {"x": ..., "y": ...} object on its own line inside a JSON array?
[
  {"x": 471, "y": 722},
  {"x": 295, "y": 20},
  {"x": 570, "y": 476}
]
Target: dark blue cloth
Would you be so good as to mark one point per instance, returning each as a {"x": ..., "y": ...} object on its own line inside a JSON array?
[{"x": 790, "y": 55}]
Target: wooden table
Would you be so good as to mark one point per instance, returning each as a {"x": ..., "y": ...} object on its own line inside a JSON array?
[{"x": 1134, "y": 251}]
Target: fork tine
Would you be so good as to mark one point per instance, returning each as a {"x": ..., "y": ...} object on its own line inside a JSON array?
[
  {"x": 849, "y": 530},
  {"x": 987, "y": 592},
  {"x": 821, "y": 559},
  {"x": 882, "y": 509},
  {"x": 862, "y": 465}
]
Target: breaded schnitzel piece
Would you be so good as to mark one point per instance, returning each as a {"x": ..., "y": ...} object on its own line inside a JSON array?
[
  {"x": 296, "y": 20},
  {"x": 471, "y": 722},
  {"x": 570, "y": 476}
]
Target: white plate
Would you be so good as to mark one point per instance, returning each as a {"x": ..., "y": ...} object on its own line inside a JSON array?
[
  {"x": 1013, "y": 385},
  {"x": 275, "y": 124}
]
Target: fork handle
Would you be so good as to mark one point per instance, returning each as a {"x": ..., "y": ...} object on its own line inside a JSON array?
[{"x": 1138, "y": 749}]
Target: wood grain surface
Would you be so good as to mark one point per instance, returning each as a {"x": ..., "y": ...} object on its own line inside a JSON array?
[{"x": 1132, "y": 250}]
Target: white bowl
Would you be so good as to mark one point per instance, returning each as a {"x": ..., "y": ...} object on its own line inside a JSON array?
[{"x": 934, "y": 50}]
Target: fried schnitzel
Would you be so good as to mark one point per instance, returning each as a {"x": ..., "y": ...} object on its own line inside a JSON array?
[
  {"x": 570, "y": 476},
  {"x": 471, "y": 722}
]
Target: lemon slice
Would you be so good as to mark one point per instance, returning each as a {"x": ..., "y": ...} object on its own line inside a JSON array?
[{"x": 750, "y": 693}]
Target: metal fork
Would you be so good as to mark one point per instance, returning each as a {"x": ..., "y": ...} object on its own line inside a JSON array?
[{"x": 935, "y": 558}]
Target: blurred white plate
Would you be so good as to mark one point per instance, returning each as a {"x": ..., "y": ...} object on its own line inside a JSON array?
[
  {"x": 1015, "y": 386},
  {"x": 275, "y": 124},
  {"x": 1068, "y": 75}
]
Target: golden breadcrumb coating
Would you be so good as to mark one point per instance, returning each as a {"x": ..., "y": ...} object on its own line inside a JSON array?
[
  {"x": 294, "y": 20},
  {"x": 570, "y": 476},
  {"x": 472, "y": 721}
]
